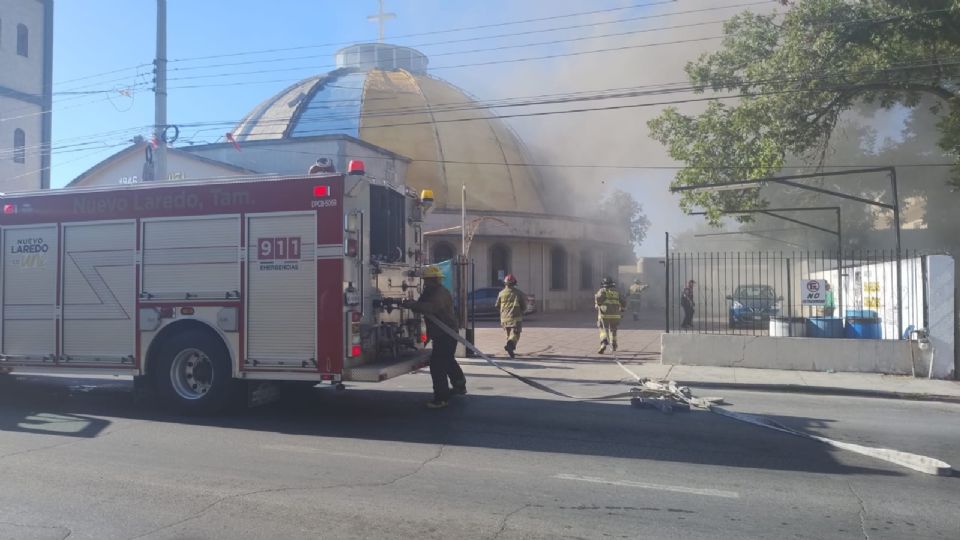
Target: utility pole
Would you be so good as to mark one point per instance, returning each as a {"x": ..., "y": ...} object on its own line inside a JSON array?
[{"x": 160, "y": 93}]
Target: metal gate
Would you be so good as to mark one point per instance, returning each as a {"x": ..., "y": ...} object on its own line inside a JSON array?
[{"x": 784, "y": 293}]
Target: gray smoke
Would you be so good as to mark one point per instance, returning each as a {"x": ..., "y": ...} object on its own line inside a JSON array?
[{"x": 613, "y": 137}]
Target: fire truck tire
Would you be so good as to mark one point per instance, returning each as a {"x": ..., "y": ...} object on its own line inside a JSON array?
[{"x": 193, "y": 373}]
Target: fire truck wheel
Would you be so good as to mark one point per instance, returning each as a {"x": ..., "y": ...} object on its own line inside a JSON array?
[{"x": 193, "y": 373}]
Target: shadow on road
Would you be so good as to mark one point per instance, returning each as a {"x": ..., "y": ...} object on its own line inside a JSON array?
[{"x": 528, "y": 424}]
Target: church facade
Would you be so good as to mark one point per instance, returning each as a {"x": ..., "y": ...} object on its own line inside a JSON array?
[{"x": 381, "y": 106}]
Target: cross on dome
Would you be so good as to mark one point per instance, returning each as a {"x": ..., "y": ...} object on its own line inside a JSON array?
[{"x": 381, "y": 18}]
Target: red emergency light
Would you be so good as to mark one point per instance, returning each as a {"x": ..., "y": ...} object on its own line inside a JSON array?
[
  {"x": 355, "y": 351},
  {"x": 355, "y": 167},
  {"x": 321, "y": 191},
  {"x": 9, "y": 209}
]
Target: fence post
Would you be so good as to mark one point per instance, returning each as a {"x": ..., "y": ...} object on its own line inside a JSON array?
[
  {"x": 666, "y": 296},
  {"x": 789, "y": 298}
]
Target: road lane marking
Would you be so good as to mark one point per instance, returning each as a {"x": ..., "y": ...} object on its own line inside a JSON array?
[{"x": 657, "y": 487}]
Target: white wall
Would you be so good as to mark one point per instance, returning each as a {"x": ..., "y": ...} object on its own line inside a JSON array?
[
  {"x": 129, "y": 170},
  {"x": 24, "y": 75},
  {"x": 296, "y": 157},
  {"x": 16, "y": 114},
  {"x": 941, "y": 318},
  {"x": 19, "y": 73},
  {"x": 804, "y": 354}
]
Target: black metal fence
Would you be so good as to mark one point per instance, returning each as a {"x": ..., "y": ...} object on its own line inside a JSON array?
[{"x": 856, "y": 294}]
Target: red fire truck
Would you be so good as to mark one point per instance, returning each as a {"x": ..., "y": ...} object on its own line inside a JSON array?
[{"x": 201, "y": 287}]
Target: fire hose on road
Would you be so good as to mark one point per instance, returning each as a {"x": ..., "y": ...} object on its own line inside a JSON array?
[{"x": 667, "y": 396}]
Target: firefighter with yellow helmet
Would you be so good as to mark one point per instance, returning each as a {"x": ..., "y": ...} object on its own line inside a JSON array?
[
  {"x": 610, "y": 304},
  {"x": 436, "y": 300}
]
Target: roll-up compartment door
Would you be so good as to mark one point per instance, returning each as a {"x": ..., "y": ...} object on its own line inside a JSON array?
[
  {"x": 30, "y": 292},
  {"x": 281, "y": 291}
]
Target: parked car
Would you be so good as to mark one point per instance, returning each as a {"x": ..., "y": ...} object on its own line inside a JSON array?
[
  {"x": 753, "y": 305},
  {"x": 484, "y": 303}
]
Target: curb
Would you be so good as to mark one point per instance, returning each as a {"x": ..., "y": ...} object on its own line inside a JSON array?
[{"x": 824, "y": 390}]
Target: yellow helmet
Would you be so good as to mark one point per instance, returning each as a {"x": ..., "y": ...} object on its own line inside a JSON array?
[{"x": 432, "y": 272}]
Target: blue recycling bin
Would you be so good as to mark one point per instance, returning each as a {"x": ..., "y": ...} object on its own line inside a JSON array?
[
  {"x": 825, "y": 327},
  {"x": 863, "y": 328}
]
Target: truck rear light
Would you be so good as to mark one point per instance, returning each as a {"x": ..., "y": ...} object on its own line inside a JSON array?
[
  {"x": 321, "y": 191},
  {"x": 423, "y": 338},
  {"x": 9, "y": 209},
  {"x": 166, "y": 313},
  {"x": 355, "y": 316},
  {"x": 187, "y": 311},
  {"x": 351, "y": 250},
  {"x": 326, "y": 377},
  {"x": 355, "y": 351}
]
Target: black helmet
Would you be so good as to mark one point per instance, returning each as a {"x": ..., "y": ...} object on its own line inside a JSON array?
[{"x": 608, "y": 282}]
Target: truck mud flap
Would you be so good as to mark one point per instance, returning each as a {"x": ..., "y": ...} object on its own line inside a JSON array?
[{"x": 381, "y": 371}]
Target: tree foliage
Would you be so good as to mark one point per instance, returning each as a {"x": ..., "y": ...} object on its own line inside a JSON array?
[
  {"x": 794, "y": 74},
  {"x": 621, "y": 207}
]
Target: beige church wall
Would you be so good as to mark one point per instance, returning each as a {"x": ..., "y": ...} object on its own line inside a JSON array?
[
  {"x": 530, "y": 263},
  {"x": 128, "y": 169},
  {"x": 293, "y": 156}
]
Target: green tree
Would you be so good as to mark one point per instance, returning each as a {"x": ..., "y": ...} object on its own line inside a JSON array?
[
  {"x": 794, "y": 74},
  {"x": 621, "y": 207}
]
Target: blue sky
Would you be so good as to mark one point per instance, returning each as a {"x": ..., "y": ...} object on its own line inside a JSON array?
[{"x": 106, "y": 47}]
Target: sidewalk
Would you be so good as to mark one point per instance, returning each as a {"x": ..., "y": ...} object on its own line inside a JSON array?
[{"x": 561, "y": 349}]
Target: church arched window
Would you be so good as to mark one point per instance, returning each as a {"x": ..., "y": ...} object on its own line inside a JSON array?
[
  {"x": 442, "y": 251},
  {"x": 558, "y": 269},
  {"x": 23, "y": 38},
  {"x": 586, "y": 270},
  {"x": 19, "y": 146},
  {"x": 499, "y": 264}
]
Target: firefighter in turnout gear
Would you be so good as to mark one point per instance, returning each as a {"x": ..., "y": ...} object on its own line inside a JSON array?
[
  {"x": 635, "y": 291},
  {"x": 512, "y": 303},
  {"x": 437, "y": 301},
  {"x": 610, "y": 306}
]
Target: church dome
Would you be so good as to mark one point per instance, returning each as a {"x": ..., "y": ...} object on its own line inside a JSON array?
[{"x": 383, "y": 95}]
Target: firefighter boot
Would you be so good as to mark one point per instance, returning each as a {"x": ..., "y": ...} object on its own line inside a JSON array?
[
  {"x": 614, "y": 345},
  {"x": 603, "y": 347},
  {"x": 510, "y": 347}
]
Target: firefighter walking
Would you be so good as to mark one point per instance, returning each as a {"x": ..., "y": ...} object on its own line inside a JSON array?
[
  {"x": 436, "y": 300},
  {"x": 610, "y": 306},
  {"x": 512, "y": 304},
  {"x": 636, "y": 290}
]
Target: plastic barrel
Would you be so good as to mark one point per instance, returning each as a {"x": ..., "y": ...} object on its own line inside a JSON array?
[
  {"x": 788, "y": 327},
  {"x": 825, "y": 327},
  {"x": 863, "y": 328},
  {"x": 861, "y": 314}
]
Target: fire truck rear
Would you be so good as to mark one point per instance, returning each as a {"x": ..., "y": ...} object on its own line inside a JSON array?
[{"x": 204, "y": 289}]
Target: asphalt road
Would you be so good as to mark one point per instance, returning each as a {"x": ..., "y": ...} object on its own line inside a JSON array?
[{"x": 506, "y": 461}]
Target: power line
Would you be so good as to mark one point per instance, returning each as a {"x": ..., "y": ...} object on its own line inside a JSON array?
[
  {"x": 484, "y": 38},
  {"x": 434, "y": 32},
  {"x": 578, "y": 96}
]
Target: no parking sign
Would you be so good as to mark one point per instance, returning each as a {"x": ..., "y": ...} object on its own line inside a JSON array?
[{"x": 814, "y": 292}]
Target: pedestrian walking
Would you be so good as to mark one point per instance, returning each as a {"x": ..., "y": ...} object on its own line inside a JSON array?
[
  {"x": 512, "y": 303},
  {"x": 634, "y": 299},
  {"x": 436, "y": 300},
  {"x": 610, "y": 305},
  {"x": 688, "y": 304},
  {"x": 829, "y": 304}
]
